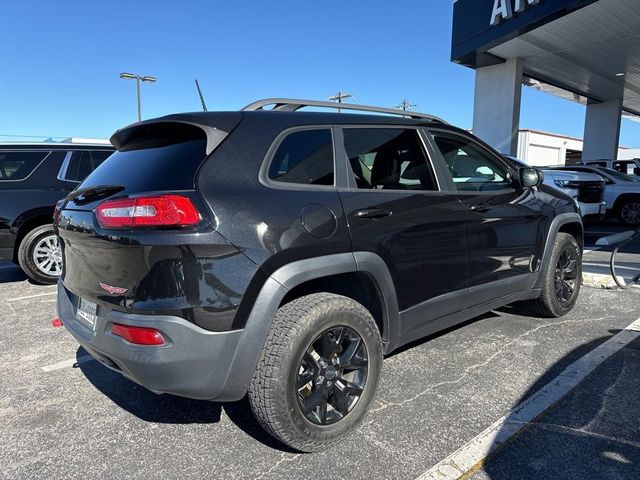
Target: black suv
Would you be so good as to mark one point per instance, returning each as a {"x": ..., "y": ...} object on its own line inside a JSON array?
[
  {"x": 282, "y": 253},
  {"x": 33, "y": 177}
]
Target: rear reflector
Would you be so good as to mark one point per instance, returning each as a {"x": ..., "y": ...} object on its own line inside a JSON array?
[
  {"x": 138, "y": 335},
  {"x": 156, "y": 211}
]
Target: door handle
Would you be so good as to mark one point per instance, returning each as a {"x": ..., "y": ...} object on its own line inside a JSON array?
[
  {"x": 480, "y": 208},
  {"x": 373, "y": 213}
]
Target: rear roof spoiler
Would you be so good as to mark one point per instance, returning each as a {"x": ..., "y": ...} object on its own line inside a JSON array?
[{"x": 215, "y": 125}]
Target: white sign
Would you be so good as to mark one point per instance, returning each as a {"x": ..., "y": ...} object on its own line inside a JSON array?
[{"x": 502, "y": 9}]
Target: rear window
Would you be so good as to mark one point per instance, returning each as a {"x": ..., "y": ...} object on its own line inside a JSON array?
[
  {"x": 163, "y": 167},
  {"x": 19, "y": 165}
]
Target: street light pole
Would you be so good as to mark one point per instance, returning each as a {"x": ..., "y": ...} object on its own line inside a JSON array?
[
  {"x": 138, "y": 79},
  {"x": 138, "y": 95}
]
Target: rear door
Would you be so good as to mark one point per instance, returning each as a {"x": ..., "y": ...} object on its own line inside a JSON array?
[
  {"x": 396, "y": 209},
  {"x": 505, "y": 229}
]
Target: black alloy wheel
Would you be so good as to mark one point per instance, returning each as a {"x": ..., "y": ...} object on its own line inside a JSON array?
[
  {"x": 318, "y": 371},
  {"x": 332, "y": 375},
  {"x": 566, "y": 274},
  {"x": 560, "y": 279}
]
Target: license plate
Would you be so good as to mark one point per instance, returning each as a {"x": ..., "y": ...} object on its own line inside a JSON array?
[{"x": 87, "y": 314}]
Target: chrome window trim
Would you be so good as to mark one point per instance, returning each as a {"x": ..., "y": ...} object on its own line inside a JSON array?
[
  {"x": 63, "y": 168},
  {"x": 67, "y": 159}
]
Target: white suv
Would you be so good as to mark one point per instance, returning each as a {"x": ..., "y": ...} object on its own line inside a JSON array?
[
  {"x": 630, "y": 167},
  {"x": 622, "y": 192},
  {"x": 587, "y": 189}
]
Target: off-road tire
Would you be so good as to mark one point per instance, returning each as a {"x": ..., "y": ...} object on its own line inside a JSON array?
[
  {"x": 548, "y": 305},
  {"x": 25, "y": 255},
  {"x": 272, "y": 392}
]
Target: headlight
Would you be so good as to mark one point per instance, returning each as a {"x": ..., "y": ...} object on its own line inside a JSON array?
[{"x": 567, "y": 184}]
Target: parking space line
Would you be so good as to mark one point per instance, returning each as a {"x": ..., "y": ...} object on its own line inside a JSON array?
[
  {"x": 67, "y": 363},
  {"x": 603, "y": 265},
  {"x": 31, "y": 296},
  {"x": 472, "y": 455}
]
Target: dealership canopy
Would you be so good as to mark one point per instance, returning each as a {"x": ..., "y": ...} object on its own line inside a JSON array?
[{"x": 584, "y": 50}]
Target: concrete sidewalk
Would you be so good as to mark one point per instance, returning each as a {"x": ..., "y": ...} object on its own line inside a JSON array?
[
  {"x": 595, "y": 262},
  {"x": 597, "y": 273}
]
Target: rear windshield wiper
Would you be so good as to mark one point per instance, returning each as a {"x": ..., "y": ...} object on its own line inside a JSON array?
[{"x": 85, "y": 195}]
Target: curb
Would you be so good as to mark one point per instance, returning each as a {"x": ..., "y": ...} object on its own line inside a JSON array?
[{"x": 602, "y": 281}]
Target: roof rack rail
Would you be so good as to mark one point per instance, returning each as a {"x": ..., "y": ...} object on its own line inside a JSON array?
[{"x": 293, "y": 104}]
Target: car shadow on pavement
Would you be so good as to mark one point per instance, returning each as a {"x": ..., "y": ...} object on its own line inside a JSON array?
[
  {"x": 591, "y": 433},
  {"x": 172, "y": 409}
]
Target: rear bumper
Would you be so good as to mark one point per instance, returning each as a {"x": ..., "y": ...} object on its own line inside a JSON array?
[{"x": 194, "y": 363}]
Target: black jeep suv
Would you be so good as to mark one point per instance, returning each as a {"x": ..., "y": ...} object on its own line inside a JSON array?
[
  {"x": 33, "y": 177},
  {"x": 282, "y": 253}
]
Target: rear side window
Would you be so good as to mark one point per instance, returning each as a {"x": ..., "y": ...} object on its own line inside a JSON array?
[
  {"x": 19, "y": 165},
  {"x": 83, "y": 163},
  {"x": 388, "y": 158},
  {"x": 304, "y": 157},
  {"x": 627, "y": 167},
  {"x": 153, "y": 166}
]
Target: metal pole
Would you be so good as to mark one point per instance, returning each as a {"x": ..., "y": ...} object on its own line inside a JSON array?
[
  {"x": 139, "y": 106},
  {"x": 204, "y": 106}
]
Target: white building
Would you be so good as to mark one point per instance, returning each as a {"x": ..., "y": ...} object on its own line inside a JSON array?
[{"x": 543, "y": 148}]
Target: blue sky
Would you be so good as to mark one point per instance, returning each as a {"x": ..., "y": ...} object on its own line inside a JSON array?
[{"x": 61, "y": 60}]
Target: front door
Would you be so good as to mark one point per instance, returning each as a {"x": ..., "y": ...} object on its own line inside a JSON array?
[
  {"x": 505, "y": 229},
  {"x": 396, "y": 209}
]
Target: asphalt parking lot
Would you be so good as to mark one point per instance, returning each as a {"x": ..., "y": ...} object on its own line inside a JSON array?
[{"x": 63, "y": 415}]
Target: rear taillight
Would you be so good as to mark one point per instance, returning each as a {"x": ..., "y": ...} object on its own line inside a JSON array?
[
  {"x": 156, "y": 211},
  {"x": 138, "y": 335}
]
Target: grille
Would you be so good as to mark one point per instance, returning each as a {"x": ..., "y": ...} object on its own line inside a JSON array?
[{"x": 591, "y": 192}]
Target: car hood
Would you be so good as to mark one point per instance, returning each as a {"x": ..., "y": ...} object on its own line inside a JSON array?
[{"x": 572, "y": 176}]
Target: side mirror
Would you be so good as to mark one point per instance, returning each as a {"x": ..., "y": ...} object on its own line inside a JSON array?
[{"x": 531, "y": 177}]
